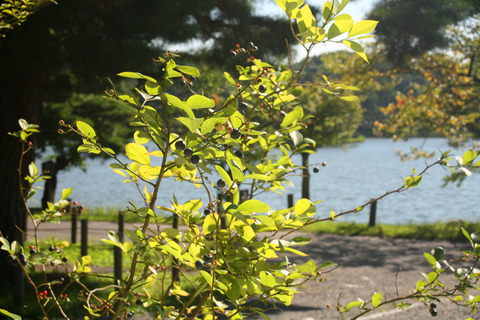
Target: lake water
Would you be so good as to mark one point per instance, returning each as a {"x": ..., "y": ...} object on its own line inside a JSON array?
[{"x": 352, "y": 176}]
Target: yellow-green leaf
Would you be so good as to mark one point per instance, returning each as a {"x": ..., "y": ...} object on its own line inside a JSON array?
[
  {"x": 362, "y": 27},
  {"x": 200, "y": 102},
  {"x": 138, "y": 153},
  {"x": 136, "y": 75},
  {"x": 253, "y": 205},
  {"x": 357, "y": 48},
  {"x": 377, "y": 299},
  {"x": 304, "y": 207},
  {"x": 86, "y": 129}
]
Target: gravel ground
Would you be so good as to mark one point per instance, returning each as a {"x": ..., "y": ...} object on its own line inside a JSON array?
[{"x": 366, "y": 265}]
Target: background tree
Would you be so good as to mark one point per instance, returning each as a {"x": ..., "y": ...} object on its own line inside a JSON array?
[
  {"x": 334, "y": 113},
  {"x": 71, "y": 47},
  {"x": 442, "y": 65},
  {"x": 409, "y": 27}
]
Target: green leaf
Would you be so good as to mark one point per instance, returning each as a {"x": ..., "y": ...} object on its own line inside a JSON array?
[
  {"x": 192, "y": 71},
  {"x": 438, "y": 253},
  {"x": 246, "y": 232},
  {"x": 179, "y": 104},
  {"x": 377, "y": 299},
  {"x": 209, "y": 223},
  {"x": 362, "y": 27},
  {"x": 229, "y": 78},
  {"x": 348, "y": 98},
  {"x": 153, "y": 89},
  {"x": 137, "y": 152},
  {"x": 236, "y": 169},
  {"x": 191, "y": 123},
  {"x": 353, "y": 304},
  {"x": 469, "y": 156},
  {"x": 325, "y": 265},
  {"x": 266, "y": 220},
  {"x": 292, "y": 117},
  {"x": 477, "y": 250},
  {"x": 88, "y": 148},
  {"x": 339, "y": 27},
  {"x": 411, "y": 182},
  {"x": 136, "y": 75},
  {"x": 86, "y": 129},
  {"x": 141, "y": 137},
  {"x": 209, "y": 124},
  {"x": 66, "y": 193},
  {"x": 327, "y": 11},
  {"x": 253, "y": 205},
  {"x": 207, "y": 276},
  {"x": 260, "y": 177},
  {"x": 200, "y": 102},
  {"x": 420, "y": 286},
  {"x": 11, "y": 315},
  {"x": 432, "y": 261},
  {"x": 267, "y": 279},
  {"x": 304, "y": 207},
  {"x": 296, "y": 137},
  {"x": 305, "y": 19},
  {"x": 342, "y": 5},
  {"x": 357, "y": 48},
  {"x": 224, "y": 174},
  {"x": 465, "y": 233}
]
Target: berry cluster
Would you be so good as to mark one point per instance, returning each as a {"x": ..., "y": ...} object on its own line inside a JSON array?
[
  {"x": 206, "y": 263},
  {"x": 433, "y": 309},
  {"x": 248, "y": 52},
  {"x": 13, "y": 260},
  {"x": 317, "y": 169},
  {"x": 43, "y": 294}
]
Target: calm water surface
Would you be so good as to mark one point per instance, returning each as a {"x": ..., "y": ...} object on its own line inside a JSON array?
[{"x": 352, "y": 177}]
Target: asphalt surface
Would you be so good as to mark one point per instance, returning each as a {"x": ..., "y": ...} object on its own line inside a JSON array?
[{"x": 366, "y": 265}]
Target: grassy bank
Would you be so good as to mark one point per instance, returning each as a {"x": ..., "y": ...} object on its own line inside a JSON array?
[
  {"x": 449, "y": 230},
  {"x": 430, "y": 231}
]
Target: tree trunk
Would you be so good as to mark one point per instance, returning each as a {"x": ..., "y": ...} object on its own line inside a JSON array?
[
  {"x": 20, "y": 97},
  {"x": 305, "y": 176}
]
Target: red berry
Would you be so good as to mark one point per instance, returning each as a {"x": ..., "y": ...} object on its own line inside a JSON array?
[
  {"x": 74, "y": 203},
  {"x": 324, "y": 164}
]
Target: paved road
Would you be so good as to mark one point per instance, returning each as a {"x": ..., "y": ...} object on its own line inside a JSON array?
[{"x": 367, "y": 265}]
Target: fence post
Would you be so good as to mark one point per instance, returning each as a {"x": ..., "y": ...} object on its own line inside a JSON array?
[
  {"x": 243, "y": 195},
  {"x": 290, "y": 200},
  {"x": 73, "y": 213},
  {"x": 84, "y": 237},
  {"x": 175, "y": 270},
  {"x": 373, "y": 214},
  {"x": 117, "y": 252}
]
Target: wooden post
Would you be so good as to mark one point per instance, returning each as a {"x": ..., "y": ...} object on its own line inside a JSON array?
[
  {"x": 290, "y": 200},
  {"x": 243, "y": 195},
  {"x": 175, "y": 270},
  {"x": 84, "y": 237},
  {"x": 117, "y": 252},
  {"x": 74, "y": 225},
  {"x": 373, "y": 214}
]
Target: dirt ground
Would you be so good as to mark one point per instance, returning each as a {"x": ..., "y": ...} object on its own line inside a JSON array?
[{"x": 366, "y": 265}]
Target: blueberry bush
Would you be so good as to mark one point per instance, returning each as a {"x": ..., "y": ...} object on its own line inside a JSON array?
[{"x": 235, "y": 253}]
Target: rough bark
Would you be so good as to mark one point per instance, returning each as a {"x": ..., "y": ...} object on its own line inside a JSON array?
[{"x": 20, "y": 97}]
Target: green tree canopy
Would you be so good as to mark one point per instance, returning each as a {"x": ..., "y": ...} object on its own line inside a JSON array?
[{"x": 410, "y": 27}]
